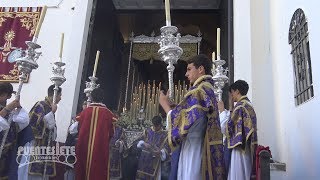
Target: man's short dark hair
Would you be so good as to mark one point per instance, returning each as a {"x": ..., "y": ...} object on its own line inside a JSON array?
[
  {"x": 201, "y": 60},
  {"x": 51, "y": 90},
  {"x": 156, "y": 121},
  {"x": 6, "y": 88},
  {"x": 97, "y": 95},
  {"x": 240, "y": 85}
]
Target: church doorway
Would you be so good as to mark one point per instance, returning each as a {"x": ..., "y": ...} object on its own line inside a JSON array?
[{"x": 110, "y": 30}]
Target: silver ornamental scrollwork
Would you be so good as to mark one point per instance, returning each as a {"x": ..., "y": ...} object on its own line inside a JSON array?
[
  {"x": 90, "y": 86},
  {"x": 131, "y": 136},
  {"x": 219, "y": 76},
  {"x": 151, "y": 39},
  {"x": 170, "y": 52},
  {"x": 58, "y": 73}
]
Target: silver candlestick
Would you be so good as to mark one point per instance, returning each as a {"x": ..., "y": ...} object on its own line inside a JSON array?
[
  {"x": 58, "y": 76},
  {"x": 58, "y": 79},
  {"x": 26, "y": 64},
  {"x": 90, "y": 86},
  {"x": 170, "y": 52},
  {"x": 219, "y": 76}
]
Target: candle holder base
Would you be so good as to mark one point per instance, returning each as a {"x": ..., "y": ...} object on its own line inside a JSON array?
[
  {"x": 90, "y": 86},
  {"x": 58, "y": 73},
  {"x": 219, "y": 76}
]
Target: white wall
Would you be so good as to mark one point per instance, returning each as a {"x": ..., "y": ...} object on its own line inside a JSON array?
[
  {"x": 262, "y": 75},
  {"x": 242, "y": 42},
  {"x": 296, "y": 127},
  {"x": 252, "y": 63},
  {"x": 74, "y": 23},
  {"x": 290, "y": 131}
]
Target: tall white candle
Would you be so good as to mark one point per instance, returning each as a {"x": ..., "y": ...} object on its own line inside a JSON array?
[
  {"x": 213, "y": 56},
  {"x": 218, "y": 43},
  {"x": 61, "y": 46},
  {"x": 43, "y": 14},
  {"x": 96, "y": 64},
  {"x": 167, "y": 9}
]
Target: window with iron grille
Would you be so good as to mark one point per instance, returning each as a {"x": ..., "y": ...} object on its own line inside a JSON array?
[{"x": 299, "y": 41}]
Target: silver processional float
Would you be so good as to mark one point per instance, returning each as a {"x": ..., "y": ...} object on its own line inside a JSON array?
[{"x": 26, "y": 61}]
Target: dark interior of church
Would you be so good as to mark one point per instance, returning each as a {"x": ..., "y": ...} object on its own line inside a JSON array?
[{"x": 110, "y": 30}]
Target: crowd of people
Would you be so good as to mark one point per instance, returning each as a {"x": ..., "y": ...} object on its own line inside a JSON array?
[{"x": 201, "y": 138}]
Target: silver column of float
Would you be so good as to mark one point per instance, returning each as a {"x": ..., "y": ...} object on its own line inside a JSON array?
[
  {"x": 170, "y": 52},
  {"x": 26, "y": 62}
]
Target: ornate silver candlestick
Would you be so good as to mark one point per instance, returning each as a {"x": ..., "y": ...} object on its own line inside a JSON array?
[
  {"x": 26, "y": 64},
  {"x": 170, "y": 52},
  {"x": 90, "y": 86},
  {"x": 58, "y": 79},
  {"x": 219, "y": 76}
]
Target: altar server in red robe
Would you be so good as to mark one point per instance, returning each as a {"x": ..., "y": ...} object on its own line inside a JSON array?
[{"x": 95, "y": 132}]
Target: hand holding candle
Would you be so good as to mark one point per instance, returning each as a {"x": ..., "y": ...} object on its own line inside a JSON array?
[
  {"x": 167, "y": 8},
  {"x": 43, "y": 14},
  {"x": 218, "y": 43},
  {"x": 96, "y": 64},
  {"x": 61, "y": 46}
]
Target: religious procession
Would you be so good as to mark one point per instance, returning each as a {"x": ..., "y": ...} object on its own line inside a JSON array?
[{"x": 166, "y": 111}]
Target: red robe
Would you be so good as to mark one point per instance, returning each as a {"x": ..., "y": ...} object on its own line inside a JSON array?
[{"x": 92, "y": 149}]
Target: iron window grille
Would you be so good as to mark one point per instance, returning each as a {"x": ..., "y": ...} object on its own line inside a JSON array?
[{"x": 299, "y": 41}]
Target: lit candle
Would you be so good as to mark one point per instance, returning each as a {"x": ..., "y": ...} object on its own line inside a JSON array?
[
  {"x": 131, "y": 110},
  {"x": 157, "y": 100},
  {"x": 167, "y": 8},
  {"x": 144, "y": 96},
  {"x": 140, "y": 96},
  {"x": 61, "y": 46},
  {"x": 96, "y": 64},
  {"x": 213, "y": 56},
  {"x": 43, "y": 14},
  {"x": 218, "y": 43},
  {"x": 134, "y": 110},
  {"x": 176, "y": 94}
]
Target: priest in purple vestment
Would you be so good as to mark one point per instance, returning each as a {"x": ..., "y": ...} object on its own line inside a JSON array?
[
  {"x": 42, "y": 121},
  {"x": 241, "y": 132},
  {"x": 154, "y": 151},
  {"x": 194, "y": 127}
]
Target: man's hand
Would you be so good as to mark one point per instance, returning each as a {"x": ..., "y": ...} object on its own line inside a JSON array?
[
  {"x": 117, "y": 144},
  {"x": 146, "y": 146},
  {"x": 220, "y": 106},
  {"x": 156, "y": 153},
  {"x": 54, "y": 107},
  {"x": 164, "y": 98},
  {"x": 164, "y": 101},
  {"x": 231, "y": 102},
  {"x": 14, "y": 104}
]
